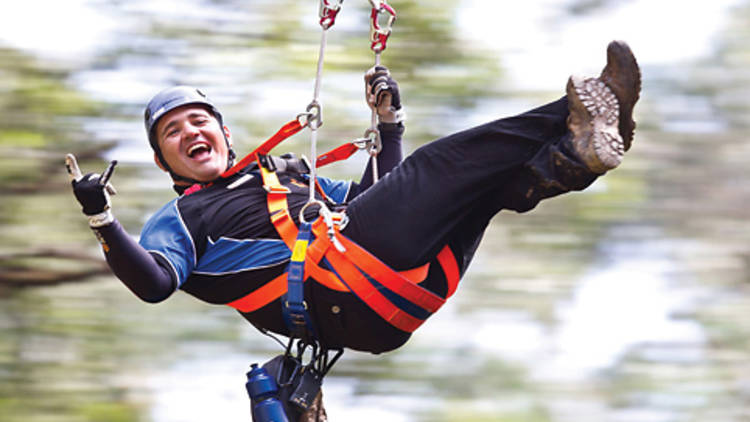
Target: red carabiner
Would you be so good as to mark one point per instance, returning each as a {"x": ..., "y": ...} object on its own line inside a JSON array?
[
  {"x": 328, "y": 13},
  {"x": 379, "y": 36}
]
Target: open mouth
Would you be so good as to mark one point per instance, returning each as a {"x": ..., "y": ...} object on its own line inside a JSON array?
[{"x": 199, "y": 149}]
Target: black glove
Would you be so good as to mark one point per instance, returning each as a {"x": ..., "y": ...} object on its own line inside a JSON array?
[
  {"x": 383, "y": 96},
  {"x": 92, "y": 191}
]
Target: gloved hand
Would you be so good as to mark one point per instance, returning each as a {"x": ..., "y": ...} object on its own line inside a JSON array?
[
  {"x": 382, "y": 94},
  {"x": 92, "y": 192}
]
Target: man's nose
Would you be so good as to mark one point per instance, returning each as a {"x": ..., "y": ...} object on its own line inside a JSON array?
[{"x": 191, "y": 131}]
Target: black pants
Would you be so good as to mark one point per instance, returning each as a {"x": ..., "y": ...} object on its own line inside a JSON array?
[{"x": 446, "y": 192}]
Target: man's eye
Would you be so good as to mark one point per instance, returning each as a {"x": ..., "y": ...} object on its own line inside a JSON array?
[
  {"x": 201, "y": 122},
  {"x": 172, "y": 133}
]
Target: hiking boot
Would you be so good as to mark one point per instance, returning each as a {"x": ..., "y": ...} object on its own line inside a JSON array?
[
  {"x": 623, "y": 77},
  {"x": 593, "y": 121}
]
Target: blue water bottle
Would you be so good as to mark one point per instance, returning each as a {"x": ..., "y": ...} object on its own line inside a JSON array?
[{"x": 263, "y": 390}]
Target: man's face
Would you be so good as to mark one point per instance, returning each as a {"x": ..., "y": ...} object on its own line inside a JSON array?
[{"x": 192, "y": 143}]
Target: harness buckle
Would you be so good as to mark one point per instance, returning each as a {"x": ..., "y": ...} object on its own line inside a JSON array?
[
  {"x": 306, "y": 163},
  {"x": 267, "y": 162},
  {"x": 283, "y": 190}
]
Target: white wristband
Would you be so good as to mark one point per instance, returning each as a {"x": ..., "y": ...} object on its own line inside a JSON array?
[{"x": 101, "y": 219}]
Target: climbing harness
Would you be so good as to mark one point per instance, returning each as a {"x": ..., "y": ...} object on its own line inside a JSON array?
[{"x": 340, "y": 264}]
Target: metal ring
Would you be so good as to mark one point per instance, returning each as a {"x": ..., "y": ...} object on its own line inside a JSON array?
[{"x": 304, "y": 207}]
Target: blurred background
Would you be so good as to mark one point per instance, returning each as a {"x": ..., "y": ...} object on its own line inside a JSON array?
[{"x": 627, "y": 302}]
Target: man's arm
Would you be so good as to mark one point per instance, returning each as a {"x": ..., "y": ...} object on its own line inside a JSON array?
[{"x": 140, "y": 271}]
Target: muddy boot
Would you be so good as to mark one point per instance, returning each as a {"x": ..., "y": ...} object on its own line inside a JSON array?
[
  {"x": 623, "y": 76},
  {"x": 601, "y": 110}
]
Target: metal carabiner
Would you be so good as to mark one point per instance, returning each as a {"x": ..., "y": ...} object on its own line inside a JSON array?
[
  {"x": 328, "y": 12},
  {"x": 327, "y": 215},
  {"x": 313, "y": 115},
  {"x": 379, "y": 35},
  {"x": 374, "y": 144},
  {"x": 304, "y": 118}
]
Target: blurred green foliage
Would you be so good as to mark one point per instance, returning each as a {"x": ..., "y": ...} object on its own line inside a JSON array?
[{"x": 66, "y": 351}]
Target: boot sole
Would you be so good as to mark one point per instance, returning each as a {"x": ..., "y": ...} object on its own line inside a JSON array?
[{"x": 597, "y": 140}]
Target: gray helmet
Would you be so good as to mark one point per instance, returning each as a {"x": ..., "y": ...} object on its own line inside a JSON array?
[{"x": 168, "y": 100}]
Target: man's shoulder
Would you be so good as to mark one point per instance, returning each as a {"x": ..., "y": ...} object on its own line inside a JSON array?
[
  {"x": 182, "y": 206},
  {"x": 169, "y": 211}
]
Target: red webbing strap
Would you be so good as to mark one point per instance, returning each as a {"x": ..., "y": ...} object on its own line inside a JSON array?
[
  {"x": 337, "y": 154},
  {"x": 286, "y": 131},
  {"x": 386, "y": 276},
  {"x": 450, "y": 268},
  {"x": 261, "y": 296}
]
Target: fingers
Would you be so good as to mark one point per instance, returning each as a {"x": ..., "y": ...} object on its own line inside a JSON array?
[
  {"x": 108, "y": 172},
  {"x": 72, "y": 165},
  {"x": 381, "y": 89},
  {"x": 104, "y": 180},
  {"x": 375, "y": 71},
  {"x": 379, "y": 85}
]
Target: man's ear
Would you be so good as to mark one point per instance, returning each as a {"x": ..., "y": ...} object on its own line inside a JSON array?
[
  {"x": 158, "y": 163},
  {"x": 228, "y": 135}
]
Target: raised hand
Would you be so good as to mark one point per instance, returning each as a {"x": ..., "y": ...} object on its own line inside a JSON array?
[{"x": 92, "y": 191}]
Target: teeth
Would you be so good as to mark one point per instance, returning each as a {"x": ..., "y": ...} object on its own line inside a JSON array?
[{"x": 197, "y": 147}]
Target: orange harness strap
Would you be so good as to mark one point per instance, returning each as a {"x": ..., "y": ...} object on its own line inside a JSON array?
[
  {"x": 367, "y": 263},
  {"x": 352, "y": 265},
  {"x": 262, "y": 296},
  {"x": 450, "y": 268},
  {"x": 278, "y": 209},
  {"x": 369, "y": 294}
]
